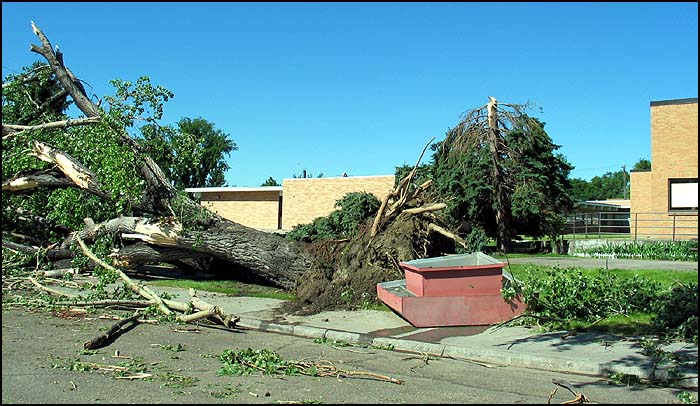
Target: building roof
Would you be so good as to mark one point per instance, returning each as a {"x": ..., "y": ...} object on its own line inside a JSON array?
[
  {"x": 233, "y": 189},
  {"x": 621, "y": 203},
  {"x": 673, "y": 101}
]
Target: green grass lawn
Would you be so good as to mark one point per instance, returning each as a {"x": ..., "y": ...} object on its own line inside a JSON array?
[
  {"x": 227, "y": 287},
  {"x": 665, "y": 278}
]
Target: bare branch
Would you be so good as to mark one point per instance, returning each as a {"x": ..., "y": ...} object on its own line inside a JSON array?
[
  {"x": 64, "y": 75},
  {"x": 424, "y": 209},
  {"x": 12, "y": 130},
  {"x": 400, "y": 191},
  {"x": 141, "y": 290}
]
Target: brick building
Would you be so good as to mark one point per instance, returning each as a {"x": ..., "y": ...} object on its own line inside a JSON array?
[
  {"x": 256, "y": 207},
  {"x": 664, "y": 200},
  {"x": 297, "y": 201}
]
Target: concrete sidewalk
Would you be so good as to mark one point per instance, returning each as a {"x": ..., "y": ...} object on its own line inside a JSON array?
[{"x": 594, "y": 354}]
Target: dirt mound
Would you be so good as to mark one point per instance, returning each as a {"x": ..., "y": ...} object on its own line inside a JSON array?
[{"x": 346, "y": 273}]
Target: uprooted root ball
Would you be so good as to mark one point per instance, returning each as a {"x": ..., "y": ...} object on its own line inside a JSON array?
[{"x": 346, "y": 273}]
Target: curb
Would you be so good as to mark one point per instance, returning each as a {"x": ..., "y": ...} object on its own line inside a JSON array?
[{"x": 648, "y": 371}]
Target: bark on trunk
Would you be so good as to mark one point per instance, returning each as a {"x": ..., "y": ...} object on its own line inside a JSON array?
[
  {"x": 268, "y": 256},
  {"x": 141, "y": 253}
]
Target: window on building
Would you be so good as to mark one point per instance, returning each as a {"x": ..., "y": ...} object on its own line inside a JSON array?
[{"x": 683, "y": 194}]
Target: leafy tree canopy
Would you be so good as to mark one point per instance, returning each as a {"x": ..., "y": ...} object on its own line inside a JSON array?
[
  {"x": 191, "y": 155},
  {"x": 33, "y": 96}
]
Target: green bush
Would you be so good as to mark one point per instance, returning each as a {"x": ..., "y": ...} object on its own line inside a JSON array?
[
  {"x": 571, "y": 295},
  {"x": 354, "y": 208},
  {"x": 476, "y": 240},
  {"x": 677, "y": 310}
]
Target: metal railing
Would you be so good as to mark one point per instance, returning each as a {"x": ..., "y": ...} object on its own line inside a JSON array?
[{"x": 644, "y": 225}]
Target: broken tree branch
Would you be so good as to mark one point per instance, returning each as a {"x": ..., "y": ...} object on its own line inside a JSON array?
[
  {"x": 59, "y": 272},
  {"x": 102, "y": 338},
  {"x": 52, "y": 291},
  {"x": 228, "y": 320},
  {"x": 452, "y": 236},
  {"x": 64, "y": 75},
  {"x": 423, "y": 209},
  {"x": 159, "y": 191},
  {"x": 75, "y": 171},
  {"x": 400, "y": 191},
  {"x": 25, "y": 249},
  {"x": 107, "y": 303},
  {"x": 141, "y": 290},
  {"x": 22, "y": 183},
  {"x": 12, "y": 130},
  {"x": 200, "y": 314}
]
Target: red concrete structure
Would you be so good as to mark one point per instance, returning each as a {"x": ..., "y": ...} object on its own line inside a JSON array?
[{"x": 455, "y": 290}]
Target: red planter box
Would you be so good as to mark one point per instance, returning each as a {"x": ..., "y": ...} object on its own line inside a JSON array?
[{"x": 454, "y": 290}]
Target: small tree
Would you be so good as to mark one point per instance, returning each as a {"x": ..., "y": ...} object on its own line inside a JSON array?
[
  {"x": 270, "y": 182},
  {"x": 642, "y": 165}
]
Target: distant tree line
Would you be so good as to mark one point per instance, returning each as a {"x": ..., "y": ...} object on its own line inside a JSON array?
[{"x": 611, "y": 185}]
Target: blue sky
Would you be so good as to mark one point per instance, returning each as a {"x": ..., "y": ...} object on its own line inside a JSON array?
[{"x": 362, "y": 87}]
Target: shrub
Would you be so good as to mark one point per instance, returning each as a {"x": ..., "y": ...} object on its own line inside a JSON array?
[
  {"x": 476, "y": 240},
  {"x": 354, "y": 209},
  {"x": 570, "y": 295},
  {"x": 677, "y": 310}
]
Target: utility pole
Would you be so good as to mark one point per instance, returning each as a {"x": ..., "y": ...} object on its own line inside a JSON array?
[{"x": 624, "y": 181}]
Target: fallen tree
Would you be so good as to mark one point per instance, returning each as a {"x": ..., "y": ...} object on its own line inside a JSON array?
[
  {"x": 272, "y": 258},
  {"x": 165, "y": 225}
]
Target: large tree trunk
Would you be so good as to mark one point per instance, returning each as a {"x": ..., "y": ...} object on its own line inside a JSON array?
[{"x": 269, "y": 257}]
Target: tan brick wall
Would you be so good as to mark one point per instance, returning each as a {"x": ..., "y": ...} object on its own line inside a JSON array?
[
  {"x": 640, "y": 192},
  {"x": 674, "y": 154},
  {"x": 308, "y": 198},
  {"x": 674, "y": 140},
  {"x": 256, "y": 209}
]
